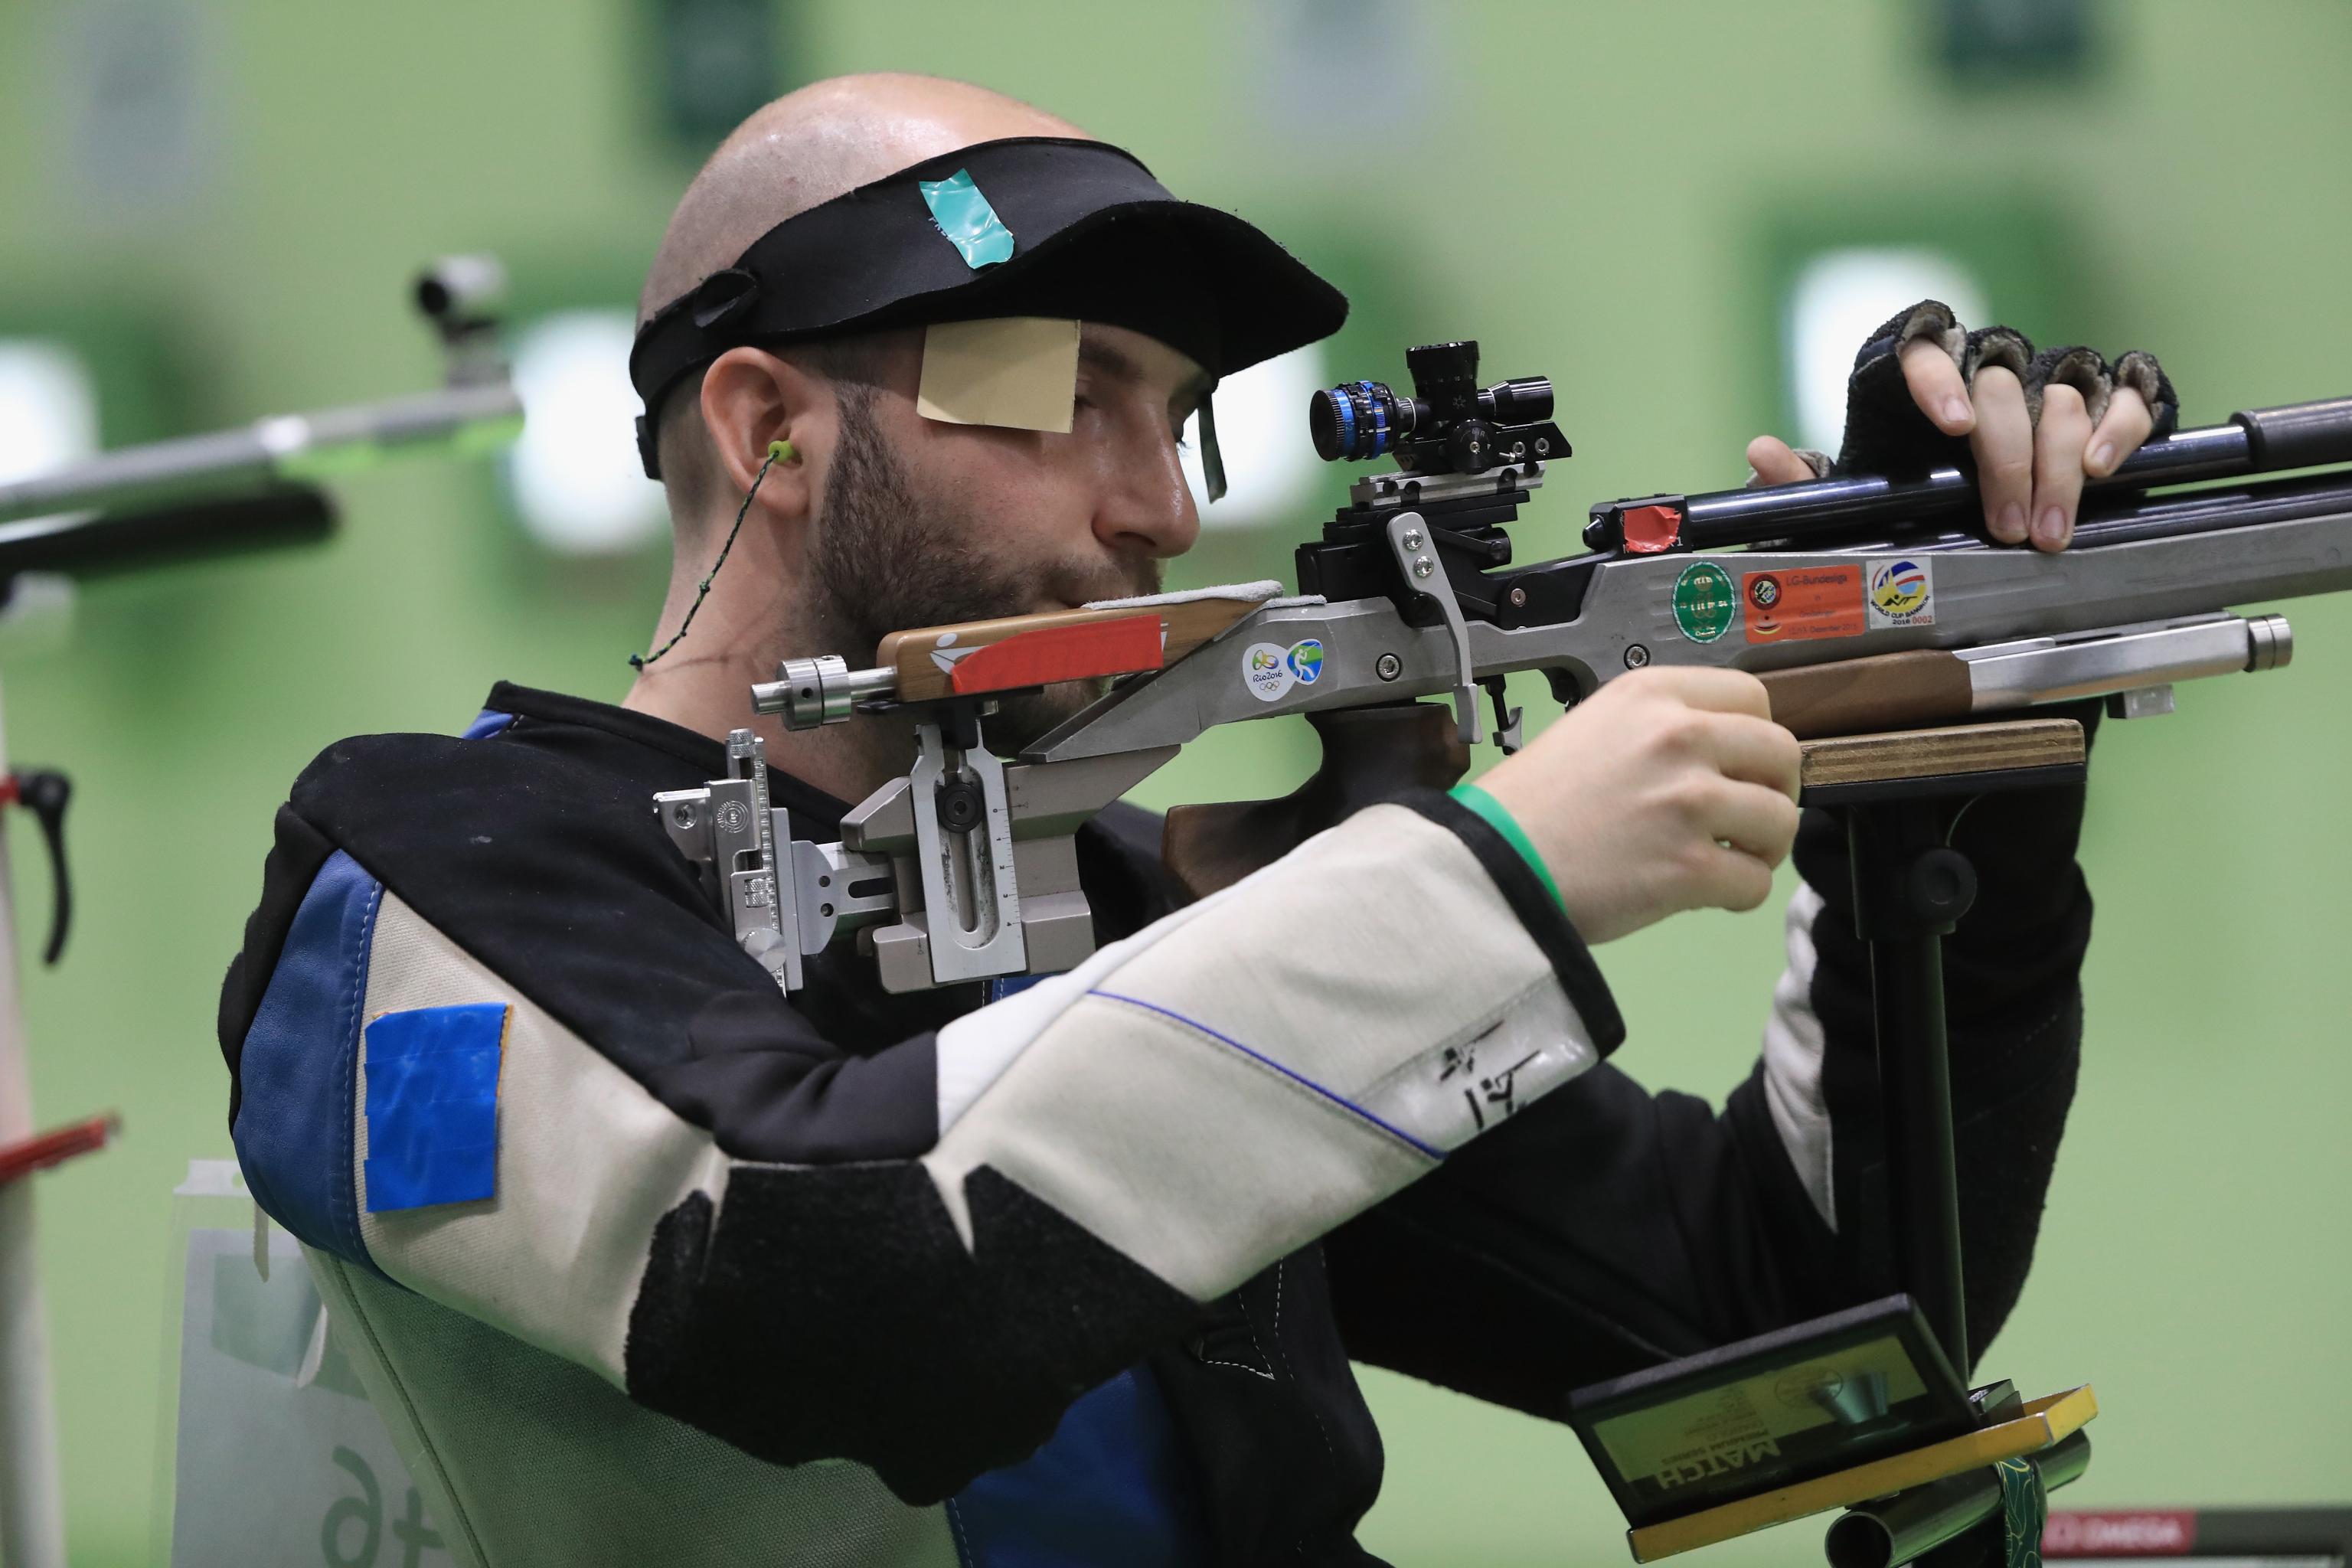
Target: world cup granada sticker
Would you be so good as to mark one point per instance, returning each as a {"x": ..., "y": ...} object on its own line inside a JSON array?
[
  {"x": 1902, "y": 592},
  {"x": 1705, "y": 602}
]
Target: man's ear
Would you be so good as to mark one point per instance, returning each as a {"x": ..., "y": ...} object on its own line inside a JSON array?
[{"x": 751, "y": 398}]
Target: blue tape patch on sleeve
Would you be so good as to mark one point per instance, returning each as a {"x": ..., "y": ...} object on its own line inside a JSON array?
[
  {"x": 964, "y": 216},
  {"x": 433, "y": 1106}
]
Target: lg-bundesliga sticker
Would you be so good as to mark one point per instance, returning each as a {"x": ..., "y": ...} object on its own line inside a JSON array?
[{"x": 1270, "y": 669}]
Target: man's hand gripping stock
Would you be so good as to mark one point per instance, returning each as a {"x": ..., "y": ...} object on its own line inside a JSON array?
[{"x": 1672, "y": 789}]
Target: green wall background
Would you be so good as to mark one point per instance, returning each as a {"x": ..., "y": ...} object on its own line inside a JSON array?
[{"x": 1592, "y": 190}]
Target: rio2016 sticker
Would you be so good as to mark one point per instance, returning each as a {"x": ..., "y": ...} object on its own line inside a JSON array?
[
  {"x": 1705, "y": 602},
  {"x": 1270, "y": 669},
  {"x": 1901, "y": 593}
]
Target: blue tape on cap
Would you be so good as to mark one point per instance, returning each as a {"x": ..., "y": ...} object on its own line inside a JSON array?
[
  {"x": 433, "y": 1106},
  {"x": 964, "y": 216}
]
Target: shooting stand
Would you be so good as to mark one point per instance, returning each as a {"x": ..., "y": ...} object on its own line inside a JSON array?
[
  {"x": 1897, "y": 792},
  {"x": 1910, "y": 890}
]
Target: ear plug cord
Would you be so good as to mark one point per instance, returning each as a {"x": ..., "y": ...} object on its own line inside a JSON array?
[{"x": 778, "y": 452}]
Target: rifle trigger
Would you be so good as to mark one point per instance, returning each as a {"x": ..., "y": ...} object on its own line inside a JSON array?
[{"x": 1506, "y": 718}]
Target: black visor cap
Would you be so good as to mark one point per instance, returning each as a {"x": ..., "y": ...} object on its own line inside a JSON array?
[{"x": 1095, "y": 239}]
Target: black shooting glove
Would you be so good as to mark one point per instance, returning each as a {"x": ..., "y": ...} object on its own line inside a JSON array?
[{"x": 1886, "y": 433}]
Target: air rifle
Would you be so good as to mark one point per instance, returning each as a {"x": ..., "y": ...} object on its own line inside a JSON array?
[{"x": 1862, "y": 603}]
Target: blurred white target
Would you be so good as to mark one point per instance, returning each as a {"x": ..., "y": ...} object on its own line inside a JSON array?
[
  {"x": 573, "y": 475},
  {"x": 1838, "y": 299},
  {"x": 1271, "y": 470},
  {"x": 48, "y": 408}
]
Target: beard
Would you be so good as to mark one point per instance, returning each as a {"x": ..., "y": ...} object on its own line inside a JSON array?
[{"x": 888, "y": 559}]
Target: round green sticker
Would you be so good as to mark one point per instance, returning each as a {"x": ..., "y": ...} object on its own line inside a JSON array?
[{"x": 1704, "y": 601}]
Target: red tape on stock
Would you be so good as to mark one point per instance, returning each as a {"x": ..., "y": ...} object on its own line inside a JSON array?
[{"x": 1082, "y": 652}]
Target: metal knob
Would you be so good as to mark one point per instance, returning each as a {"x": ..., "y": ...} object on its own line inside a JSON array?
[
  {"x": 1938, "y": 887},
  {"x": 822, "y": 690},
  {"x": 808, "y": 692},
  {"x": 2270, "y": 643}
]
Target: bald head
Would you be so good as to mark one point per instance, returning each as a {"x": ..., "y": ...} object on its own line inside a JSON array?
[
  {"x": 805, "y": 148},
  {"x": 812, "y": 145}
]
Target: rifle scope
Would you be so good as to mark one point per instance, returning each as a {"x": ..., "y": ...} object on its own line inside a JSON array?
[{"x": 1449, "y": 425}]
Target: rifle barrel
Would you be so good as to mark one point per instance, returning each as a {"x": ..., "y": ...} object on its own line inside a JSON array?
[{"x": 2254, "y": 441}]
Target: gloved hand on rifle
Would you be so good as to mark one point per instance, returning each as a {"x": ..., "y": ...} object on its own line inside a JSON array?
[
  {"x": 1672, "y": 789},
  {"x": 1926, "y": 392}
]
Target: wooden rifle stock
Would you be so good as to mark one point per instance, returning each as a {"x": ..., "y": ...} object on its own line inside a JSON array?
[{"x": 1884, "y": 691}]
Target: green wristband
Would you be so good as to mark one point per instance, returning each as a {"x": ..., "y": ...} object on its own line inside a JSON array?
[{"x": 1490, "y": 811}]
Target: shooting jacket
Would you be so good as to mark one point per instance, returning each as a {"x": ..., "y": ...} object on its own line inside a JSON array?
[{"x": 643, "y": 1261}]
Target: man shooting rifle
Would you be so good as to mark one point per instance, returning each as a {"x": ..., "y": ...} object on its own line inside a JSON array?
[{"x": 653, "y": 1261}]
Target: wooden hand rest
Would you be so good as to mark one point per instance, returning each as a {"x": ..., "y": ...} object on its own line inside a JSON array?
[
  {"x": 1017, "y": 651},
  {"x": 1954, "y": 752}
]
